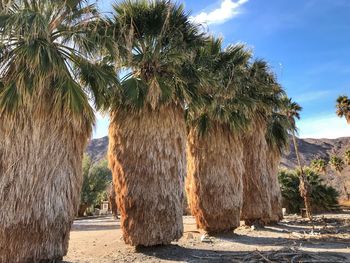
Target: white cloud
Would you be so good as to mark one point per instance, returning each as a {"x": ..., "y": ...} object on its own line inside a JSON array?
[
  {"x": 227, "y": 10},
  {"x": 326, "y": 126}
]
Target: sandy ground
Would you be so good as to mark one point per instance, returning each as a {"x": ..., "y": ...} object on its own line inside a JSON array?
[{"x": 100, "y": 240}]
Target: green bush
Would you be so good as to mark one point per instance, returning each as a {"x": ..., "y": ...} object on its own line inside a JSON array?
[
  {"x": 96, "y": 177},
  {"x": 323, "y": 197}
]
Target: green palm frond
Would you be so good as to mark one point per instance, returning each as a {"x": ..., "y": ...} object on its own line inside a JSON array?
[
  {"x": 291, "y": 110},
  {"x": 319, "y": 165},
  {"x": 277, "y": 134},
  {"x": 264, "y": 89},
  {"x": 49, "y": 54},
  {"x": 221, "y": 77},
  {"x": 156, "y": 40},
  {"x": 337, "y": 163}
]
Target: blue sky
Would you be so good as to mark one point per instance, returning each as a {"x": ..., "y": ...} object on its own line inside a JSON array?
[{"x": 306, "y": 43}]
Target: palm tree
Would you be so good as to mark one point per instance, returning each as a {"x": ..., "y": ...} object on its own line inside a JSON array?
[
  {"x": 337, "y": 164},
  {"x": 347, "y": 156},
  {"x": 319, "y": 165},
  {"x": 47, "y": 77},
  {"x": 277, "y": 137},
  {"x": 343, "y": 107},
  {"x": 147, "y": 133},
  {"x": 266, "y": 93},
  {"x": 292, "y": 110},
  {"x": 214, "y": 149}
]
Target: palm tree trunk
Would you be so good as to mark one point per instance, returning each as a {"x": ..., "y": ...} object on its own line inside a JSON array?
[
  {"x": 273, "y": 161},
  {"x": 214, "y": 180},
  {"x": 40, "y": 180},
  {"x": 147, "y": 156},
  {"x": 256, "y": 183},
  {"x": 304, "y": 186},
  {"x": 112, "y": 198}
]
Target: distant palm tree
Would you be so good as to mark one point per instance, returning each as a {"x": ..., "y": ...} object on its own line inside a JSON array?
[
  {"x": 48, "y": 73},
  {"x": 319, "y": 165},
  {"x": 292, "y": 110},
  {"x": 147, "y": 133},
  {"x": 337, "y": 164},
  {"x": 347, "y": 157},
  {"x": 343, "y": 107}
]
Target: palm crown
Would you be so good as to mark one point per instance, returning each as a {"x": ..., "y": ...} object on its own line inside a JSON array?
[
  {"x": 277, "y": 134},
  {"x": 343, "y": 107},
  {"x": 156, "y": 39},
  {"x": 319, "y": 165},
  {"x": 336, "y": 163},
  {"x": 48, "y": 57},
  {"x": 291, "y": 110},
  {"x": 222, "y": 79},
  {"x": 265, "y": 93}
]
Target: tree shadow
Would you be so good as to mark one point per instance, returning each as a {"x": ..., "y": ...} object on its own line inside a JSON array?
[
  {"x": 96, "y": 224},
  {"x": 94, "y": 227},
  {"x": 178, "y": 253},
  {"x": 307, "y": 241}
]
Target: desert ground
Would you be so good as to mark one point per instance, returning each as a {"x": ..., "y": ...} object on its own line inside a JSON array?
[{"x": 292, "y": 240}]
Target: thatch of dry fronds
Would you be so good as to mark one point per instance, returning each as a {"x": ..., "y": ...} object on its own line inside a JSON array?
[
  {"x": 112, "y": 199},
  {"x": 147, "y": 156},
  {"x": 40, "y": 180},
  {"x": 273, "y": 162},
  {"x": 214, "y": 179},
  {"x": 256, "y": 183}
]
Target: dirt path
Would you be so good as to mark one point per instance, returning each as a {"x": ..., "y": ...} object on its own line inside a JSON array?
[{"x": 100, "y": 240}]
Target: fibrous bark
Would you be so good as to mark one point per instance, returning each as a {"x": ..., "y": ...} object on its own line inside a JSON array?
[
  {"x": 256, "y": 183},
  {"x": 147, "y": 156},
  {"x": 273, "y": 161},
  {"x": 112, "y": 199},
  {"x": 40, "y": 179},
  {"x": 214, "y": 179}
]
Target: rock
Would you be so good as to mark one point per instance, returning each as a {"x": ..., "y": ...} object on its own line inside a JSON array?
[
  {"x": 190, "y": 236},
  {"x": 205, "y": 238}
]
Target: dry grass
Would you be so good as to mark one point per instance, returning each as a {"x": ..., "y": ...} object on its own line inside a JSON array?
[
  {"x": 40, "y": 180},
  {"x": 214, "y": 180},
  {"x": 147, "y": 156}
]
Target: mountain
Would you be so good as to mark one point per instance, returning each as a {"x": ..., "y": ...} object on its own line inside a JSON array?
[
  {"x": 97, "y": 148},
  {"x": 310, "y": 149}
]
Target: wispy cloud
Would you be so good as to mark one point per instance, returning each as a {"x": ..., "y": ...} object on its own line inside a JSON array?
[
  {"x": 227, "y": 10},
  {"x": 324, "y": 126},
  {"x": 312, "y": 96}
]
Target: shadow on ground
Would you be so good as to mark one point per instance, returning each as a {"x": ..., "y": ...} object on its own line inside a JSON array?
[
  {"x": 95, "y": 224},
  {"x": 177, "y": 253}
]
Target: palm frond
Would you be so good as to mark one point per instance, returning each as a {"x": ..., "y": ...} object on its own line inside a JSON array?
[
  {"x": 156, "y": 40},
  {"x": 48, "y": 53}
]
